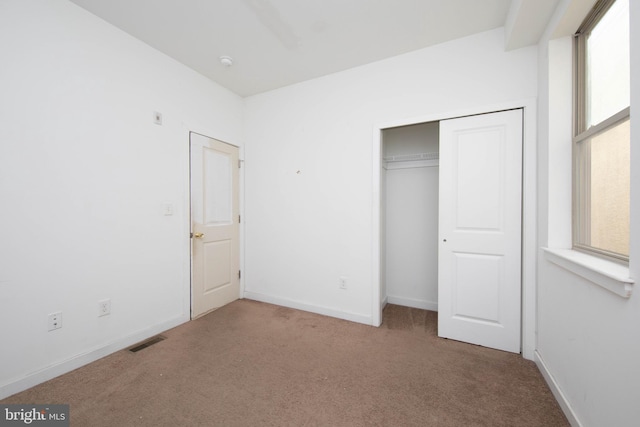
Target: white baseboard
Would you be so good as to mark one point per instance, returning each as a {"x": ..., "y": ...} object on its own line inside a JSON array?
[
  {"x": 353, "y": 317},
  {"x": 414, "y": 303},
  {"x": 557, "y": 392},
  {"x": 383, "y": 303},
  {"x": 17, "y": 385}
]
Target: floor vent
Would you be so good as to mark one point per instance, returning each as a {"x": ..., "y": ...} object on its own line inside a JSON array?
[{"x": 147, "y": 343}]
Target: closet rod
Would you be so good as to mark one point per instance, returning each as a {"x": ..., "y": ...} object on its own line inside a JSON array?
[{"x": 412, "y": 157}]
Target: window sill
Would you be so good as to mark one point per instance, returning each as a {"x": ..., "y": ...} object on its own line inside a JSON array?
[{"x": 611, "y": 276}]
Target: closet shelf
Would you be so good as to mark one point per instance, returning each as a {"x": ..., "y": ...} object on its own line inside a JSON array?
[{"x": 407, "y": 161}]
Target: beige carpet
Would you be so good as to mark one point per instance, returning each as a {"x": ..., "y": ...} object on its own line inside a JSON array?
[{"x": 255, "y": 364}]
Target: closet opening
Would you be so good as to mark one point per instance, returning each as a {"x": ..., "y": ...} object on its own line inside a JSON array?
[
  {"x": 409, "y": 216},
  {"x": 482, "y": 202}
]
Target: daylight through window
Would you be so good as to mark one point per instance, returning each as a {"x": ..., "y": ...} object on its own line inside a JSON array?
[{"x": 602, "y": 132}]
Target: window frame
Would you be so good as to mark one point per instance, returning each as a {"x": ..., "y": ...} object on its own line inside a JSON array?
[{"x": 581, "y": 173}]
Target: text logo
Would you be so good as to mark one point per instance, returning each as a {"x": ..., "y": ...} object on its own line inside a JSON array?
[{"x": 34, "y": 415}]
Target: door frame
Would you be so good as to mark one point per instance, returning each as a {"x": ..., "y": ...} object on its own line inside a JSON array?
[
  {"x": 188, "y": 269},
  {"x": 529, "y": 210}
]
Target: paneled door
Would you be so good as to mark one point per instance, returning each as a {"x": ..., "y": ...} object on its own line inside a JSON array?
[
  {"x": 480, "y": 228},
  {"x": 214, "y": 224}
]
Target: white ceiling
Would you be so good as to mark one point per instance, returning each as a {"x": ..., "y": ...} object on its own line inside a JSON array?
[{"x": 275, "y": 43}]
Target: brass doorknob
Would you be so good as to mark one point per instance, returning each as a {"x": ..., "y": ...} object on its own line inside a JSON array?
[{"x": 198, "y": 235}]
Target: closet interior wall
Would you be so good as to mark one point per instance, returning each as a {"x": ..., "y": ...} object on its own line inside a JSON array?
[{"x": 410, "y": 215}]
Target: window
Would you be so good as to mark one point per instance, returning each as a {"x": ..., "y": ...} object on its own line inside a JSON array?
[{"x": 602, "y": 134}]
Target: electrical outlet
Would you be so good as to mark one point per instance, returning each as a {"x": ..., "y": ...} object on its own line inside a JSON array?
[
  {"x": 104, "y": 307},
  {"x": 55, "y": 321},
  {"x": 342, "y": 282}
]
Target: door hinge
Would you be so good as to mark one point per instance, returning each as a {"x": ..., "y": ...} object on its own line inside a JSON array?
[
  {"x": 239, "y": 219},
  {"x": 239, "y": 274},
  {"x": 191, "y": 235},
  {"x": 239, "y": 163}
]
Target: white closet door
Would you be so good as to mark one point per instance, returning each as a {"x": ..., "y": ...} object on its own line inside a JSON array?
[{"x": 480, "y": 204}]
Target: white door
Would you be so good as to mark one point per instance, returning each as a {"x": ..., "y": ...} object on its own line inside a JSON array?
[
  {"x": 214, "y": 224},
  {"x": 480, "y": 203}
]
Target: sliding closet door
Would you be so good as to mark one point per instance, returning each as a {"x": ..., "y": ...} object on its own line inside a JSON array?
[{"x": 480, "y": 204}]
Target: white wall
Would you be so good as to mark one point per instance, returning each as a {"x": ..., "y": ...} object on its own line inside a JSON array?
[
  {"x": 588, "y": 337},
  {"x": 305, "y": 230},
  {"x": 83, "y": 176},
  {"x": 412, "y": 218}
]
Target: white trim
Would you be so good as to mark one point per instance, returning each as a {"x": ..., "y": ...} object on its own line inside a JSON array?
[
  {"x": 312, "y": 308},
  {"x": 471, "y": 111},
  {"x": 186, "y": 224},
  {"x": 529, "y": 212},
  {"x": 243, "y": 220},
  {"x": 529, "y": 227},
  {"x": 557, "y": 392},
  {"x": 612, "y": 276},
  {"x": 414, "y": 303},
  {"x": 17, "y": 385},
  {"x": 209, "y": 133},
  {"x": 376, "y": 230}
]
